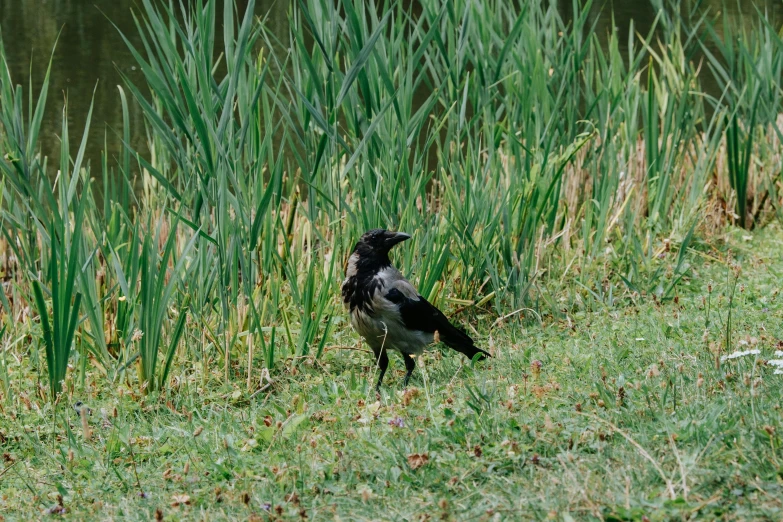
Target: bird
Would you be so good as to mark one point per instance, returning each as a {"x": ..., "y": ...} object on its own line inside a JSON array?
[{"x": 387, "y": 310}]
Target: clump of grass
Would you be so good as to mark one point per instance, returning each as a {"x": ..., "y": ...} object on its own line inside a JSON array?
[
  {"x": 156, "y": 289},
  {"x": 62, "y": 272}
]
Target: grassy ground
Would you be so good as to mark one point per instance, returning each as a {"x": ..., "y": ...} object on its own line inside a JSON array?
[{"x": 616, "y": 412}]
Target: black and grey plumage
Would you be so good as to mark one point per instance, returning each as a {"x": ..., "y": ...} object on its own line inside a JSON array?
[{"x": 388, "y": 311}]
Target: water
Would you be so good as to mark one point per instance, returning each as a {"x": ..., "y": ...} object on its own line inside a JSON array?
[
  {"x": 90, "y": 55},
  {"x": 639, "y": 16}
]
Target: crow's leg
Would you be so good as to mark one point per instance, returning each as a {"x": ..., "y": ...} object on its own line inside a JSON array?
[
  {"x": 383, "y": 363},
  {"x": 410, "y": 364}
]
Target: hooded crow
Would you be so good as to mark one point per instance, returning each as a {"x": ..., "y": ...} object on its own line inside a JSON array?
[{"x": 388, "y": 312}]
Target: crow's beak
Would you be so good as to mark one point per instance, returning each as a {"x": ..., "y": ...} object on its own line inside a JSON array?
[{"x": 396, "y": 237}]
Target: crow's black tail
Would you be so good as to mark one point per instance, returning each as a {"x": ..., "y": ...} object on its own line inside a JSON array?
[
  {"x": 455, "y": 338},
  {"x": 420, "y": 315}
]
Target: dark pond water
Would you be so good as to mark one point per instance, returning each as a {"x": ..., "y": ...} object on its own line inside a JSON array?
[
  {"x": 90, "y": 57},
  {"x": 90, "y": 52}
]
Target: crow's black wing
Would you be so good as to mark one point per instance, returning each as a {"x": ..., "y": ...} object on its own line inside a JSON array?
[{"x": 418, "y": 314}]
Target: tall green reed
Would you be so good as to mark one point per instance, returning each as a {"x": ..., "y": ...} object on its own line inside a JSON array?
[
  {"x": 44, "y": 221},
  {"x": 516, "y": 145},
  {"x": 61, "y": 274},
  {"x": 22, "y": 165},
  {"x": 209, "y": 118},
  {"x": 746, "y": 63},
  {"x": 156, "y": 289}
]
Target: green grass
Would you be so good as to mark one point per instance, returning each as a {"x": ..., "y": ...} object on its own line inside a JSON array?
[
  {"x": 564, "y": 192},
  {"x": 628, "y": 416}
]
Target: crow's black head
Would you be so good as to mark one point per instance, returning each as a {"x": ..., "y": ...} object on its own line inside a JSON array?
[
  {"x": 369, "y": 256},
  {"x": 379, "y": 241}
]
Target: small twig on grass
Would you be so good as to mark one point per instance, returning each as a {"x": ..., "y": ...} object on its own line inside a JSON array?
[
  {"x": 135, "y": 471},
  {"x": 451, "y": 382},
  {"x": 423, "y": 368},
  {"x": 764, "y": 491},
  {"x": 326, "y": 349},
  {"x": 478, "y": 304},
  {"x": 593, "y": 507},
  {"x": 503, "y": 318},
  {"x": 698, "y": 507},
  {"x": 639, "y": 448},
  {"x": 704, "y": 450},
  {"x": 262, "y": 389},
  {"x": 378, "y": 363},
  {"x": 9, "y": 467},
  {"x": 269, "y": 382},
  {"x": 682, "y": 468}
]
